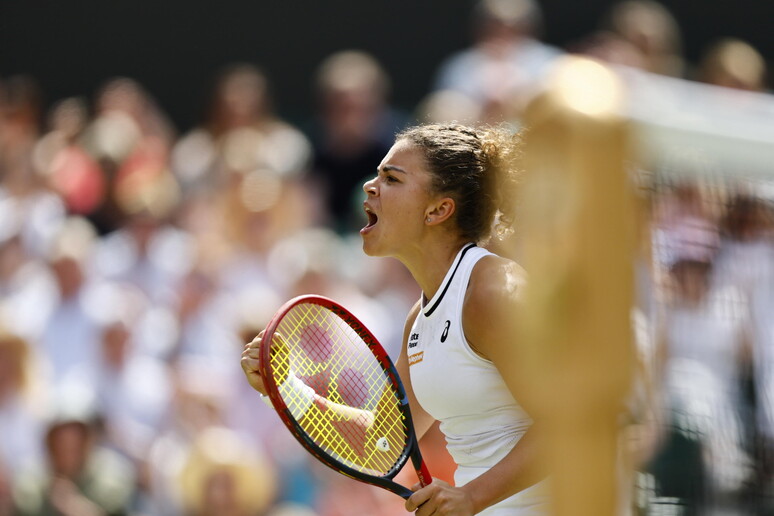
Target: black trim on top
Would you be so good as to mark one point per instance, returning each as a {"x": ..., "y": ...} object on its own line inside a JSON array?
[{"x": 446, "y": 287}]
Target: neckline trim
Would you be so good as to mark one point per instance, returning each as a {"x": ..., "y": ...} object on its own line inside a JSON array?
[{"x": 428, "y": 309}]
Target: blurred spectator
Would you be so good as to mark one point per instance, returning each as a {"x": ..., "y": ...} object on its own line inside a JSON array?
[
  {"x": 610, "y": 48},
  {"x": 20, "y": 118},
  {"x": 746, "y": 255},
  {"x": 131, "y": 139},
  {"x": 21, "y": 408},
  {"x": 81, "y": 477},
  {"x": 224, "y": 475},
  {"x": 70, "y": 334},
  {"x": 243, "y": 177},
  {"x": 209, "y": 341},
  {"x": 147, "y": 251},
  {"x": 653, "y": 32},
  {"x": 64, "y": 163},
  {"x": 448, "y": 106},
  {"x": 199, "y": 396},
  {"x": 684, "y": 225},
  {"x": 763, "y": 376},
  {"x": 231, "y": 286},
  {"x": 254, "y": 308},
  {"x": 746, "y": 262},
  {"x": 353, "y": 129},
  {"x": 241, "y": 134},
  {"x": 207, "y": 320},
  {"x": 500, "y": 70},
  {"x": 733, "y": 63},
  {"x": 133, "y": 389},
  {"x": 27, "y": 208},
  {"x": 301, "y": 477},
  {"x": 26, "y": 284},
  {"x": 31, "y": 215},
  {"x": 258, "y": 210},
  {"x": 704, "y": 347}
]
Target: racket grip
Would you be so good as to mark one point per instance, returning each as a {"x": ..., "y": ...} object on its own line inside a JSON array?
[{"x": 425, "y": 478}]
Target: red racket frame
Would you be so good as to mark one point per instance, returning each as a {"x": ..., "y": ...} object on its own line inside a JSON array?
[{"x": 411, "y": 447}]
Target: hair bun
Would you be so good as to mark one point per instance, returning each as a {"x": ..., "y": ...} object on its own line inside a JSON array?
[{"x": 479, "y": 167}]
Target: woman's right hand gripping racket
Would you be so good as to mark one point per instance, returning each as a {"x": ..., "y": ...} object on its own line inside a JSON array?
[{"x": 338, "y": 392}]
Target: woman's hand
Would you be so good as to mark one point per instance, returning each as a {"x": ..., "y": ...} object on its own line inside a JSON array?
[
  {"x": 249, "y": 364},
  {"x": 440, "y": 499}
]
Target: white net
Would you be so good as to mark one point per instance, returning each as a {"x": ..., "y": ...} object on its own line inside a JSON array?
[{"x": 704, "y": 165}]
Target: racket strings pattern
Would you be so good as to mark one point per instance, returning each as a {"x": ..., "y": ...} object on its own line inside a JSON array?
[{"x": 357, "y": 418}]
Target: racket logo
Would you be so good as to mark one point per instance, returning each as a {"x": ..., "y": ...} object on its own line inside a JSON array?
[{"x": 445, "y": 331}]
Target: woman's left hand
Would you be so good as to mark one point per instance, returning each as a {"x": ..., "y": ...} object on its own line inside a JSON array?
[{"x": 440, "y": 499}]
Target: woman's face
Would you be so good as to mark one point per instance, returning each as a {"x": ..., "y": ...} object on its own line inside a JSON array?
[{"x": 397, "y": 199}]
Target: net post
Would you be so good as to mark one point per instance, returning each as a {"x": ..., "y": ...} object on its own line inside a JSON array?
[{"x": 578, "y": 240}]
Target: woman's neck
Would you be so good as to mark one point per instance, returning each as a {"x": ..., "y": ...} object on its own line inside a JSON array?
[{"x": 429, "y": 264}]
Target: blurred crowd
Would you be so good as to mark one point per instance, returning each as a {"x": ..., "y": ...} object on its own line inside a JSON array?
[{"x": 136, "y": 259}]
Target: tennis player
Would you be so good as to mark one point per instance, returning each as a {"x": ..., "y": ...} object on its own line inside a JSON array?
[{"x": 440, "y": 191}]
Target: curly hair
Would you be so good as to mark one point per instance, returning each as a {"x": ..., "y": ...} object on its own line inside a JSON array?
[{"x": 479, "y": 168}]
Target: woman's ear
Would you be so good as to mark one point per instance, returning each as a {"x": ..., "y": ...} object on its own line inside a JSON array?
[{"x": 439, "y": 211}]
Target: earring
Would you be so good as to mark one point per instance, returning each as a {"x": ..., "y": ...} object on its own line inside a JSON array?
[{"x": 427, "y": 219}]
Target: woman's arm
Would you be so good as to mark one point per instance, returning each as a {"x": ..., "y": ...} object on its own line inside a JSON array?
[
  {"x": 294, "y": 388},
  {"x": 491, "y": 304},
  {"x": 422, "y": 420}
]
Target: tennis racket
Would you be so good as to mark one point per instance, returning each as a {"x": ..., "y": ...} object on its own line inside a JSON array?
[{"x": 338, "y": 392}]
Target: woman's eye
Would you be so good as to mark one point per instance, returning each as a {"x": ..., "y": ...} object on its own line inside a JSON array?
[{"x": 390, "y": 179}]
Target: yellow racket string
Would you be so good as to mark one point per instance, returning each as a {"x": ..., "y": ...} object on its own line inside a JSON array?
[{"x": 356, "y": 416}]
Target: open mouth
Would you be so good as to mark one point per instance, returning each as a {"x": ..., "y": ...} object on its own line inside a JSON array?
[{"x": 372, "y": 218}]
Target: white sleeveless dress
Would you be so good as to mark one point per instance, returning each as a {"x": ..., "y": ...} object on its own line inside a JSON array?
[{"x": 465, "y": 392}]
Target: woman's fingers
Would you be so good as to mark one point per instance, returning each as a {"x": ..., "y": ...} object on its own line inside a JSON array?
[{"x": 250, "y": 362}]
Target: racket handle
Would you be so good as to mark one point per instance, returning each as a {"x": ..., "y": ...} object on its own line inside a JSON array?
[{"x": 425, "y": 478}]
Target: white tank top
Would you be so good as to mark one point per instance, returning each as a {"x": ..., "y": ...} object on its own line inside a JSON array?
[{"x": 465, "y": 392}]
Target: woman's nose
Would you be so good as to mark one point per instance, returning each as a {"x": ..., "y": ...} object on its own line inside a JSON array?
[{"x": 369, "y": 187}]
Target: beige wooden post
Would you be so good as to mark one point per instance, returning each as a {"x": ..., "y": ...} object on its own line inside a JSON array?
[{"x": 578, "y": 238}]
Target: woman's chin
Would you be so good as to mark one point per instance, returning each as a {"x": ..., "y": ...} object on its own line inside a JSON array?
[
  {"x": 370, "y": 248},
  {"x": 367, "y": 249}
]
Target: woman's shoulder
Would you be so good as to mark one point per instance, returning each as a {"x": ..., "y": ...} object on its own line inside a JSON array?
[
  {"x": 496, "y": 276},
  {"x": 496, "y": 283},
  {"x": 491, "y": 302}
]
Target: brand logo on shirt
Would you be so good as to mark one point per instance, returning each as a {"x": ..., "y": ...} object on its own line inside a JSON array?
[
  {"x": 416, "y": 358},
  {"x": 445, "y": 331},
  {"x": 413, "y": 340}
]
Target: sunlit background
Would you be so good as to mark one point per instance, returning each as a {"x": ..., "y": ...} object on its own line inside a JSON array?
[{"x": 171, "y": 173}]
